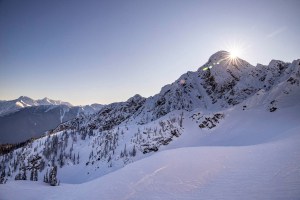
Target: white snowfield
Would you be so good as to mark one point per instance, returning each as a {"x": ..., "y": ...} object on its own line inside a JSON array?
[{"x": 252, "y": 154}]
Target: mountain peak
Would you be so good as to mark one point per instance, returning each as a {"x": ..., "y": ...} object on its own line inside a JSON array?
[
  {"x": 135, "y": 98},
  {"x": 218, "y": 56},
  {"x": 47, "y": 101},
  {"x": 222, "y": 60},
  {"x": 24, "y": 98}
]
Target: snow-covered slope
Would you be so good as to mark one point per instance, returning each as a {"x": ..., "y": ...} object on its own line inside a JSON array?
[
  {"x": 235, "y": 160},
  {"x": 227, "y": 129}
]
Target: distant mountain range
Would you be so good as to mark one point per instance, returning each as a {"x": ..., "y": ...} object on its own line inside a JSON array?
[
  {"x": 25, "y": 118},
  {"x": 23, "y": 101}
]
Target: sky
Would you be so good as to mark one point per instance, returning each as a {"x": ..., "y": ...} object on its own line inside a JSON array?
[{"x": 88, "y": 52}]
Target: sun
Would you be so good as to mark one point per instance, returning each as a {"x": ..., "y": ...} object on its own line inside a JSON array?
[
  {"x": 233, "y": 56},
  {"x": 234, "y": 53},
  {"x": 236, "y": 48}
]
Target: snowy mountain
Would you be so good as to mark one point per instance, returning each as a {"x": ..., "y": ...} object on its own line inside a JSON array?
[
  {"x": 229, "y": 130},
  {"x": 25, "y": 118},
  {"x": 90, "y": 109},
  {"x": 47, "y": 101},
  {"x": 225, "y": 84},
  {"x": 7, "y": 107}
]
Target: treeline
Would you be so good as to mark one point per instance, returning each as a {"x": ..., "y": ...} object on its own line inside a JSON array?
[{"x": 7, "y": 148}]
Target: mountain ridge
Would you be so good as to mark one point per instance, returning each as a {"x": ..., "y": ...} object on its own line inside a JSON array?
[
  {"x": 25, "y": 118},
  {"x": 193, "y": 110},
  {"x": 226, "y": 84},
  {"x": 9, "y": 106}
]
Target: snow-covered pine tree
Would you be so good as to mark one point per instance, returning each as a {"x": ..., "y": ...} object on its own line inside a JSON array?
[
  {"x": 46, "y": 180},
  {"x": 52, "y": 176},
  {"x": 34, "y": 165},
  {"x": 181, "y": 119},
  {"x": 133, "y": 151},
  {"x": 18, "y": 176},
  {"x": 2, "y": 177},
  {"x": 9, "y": 172},
  {"x": 73, "y": 160},
  {"x": 31, "y": 174},
  {"x": 35, "y": 175},
  {"x": 125, "y": 151},
  {"x": 24, "y": 175}
]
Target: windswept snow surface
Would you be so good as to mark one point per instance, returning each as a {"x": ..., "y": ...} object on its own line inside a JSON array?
[{"x": 252, "y": 154}]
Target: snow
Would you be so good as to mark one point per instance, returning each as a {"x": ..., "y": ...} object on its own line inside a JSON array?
[
  {"x": 11, "y": 106},
  {"x": 221, "y": 150},
  {"x": 233, "y": 161},
  {"x": 263, "y": 171},
  {"x": 47, "y": 101},
  {"x": 19, "y": 104}
]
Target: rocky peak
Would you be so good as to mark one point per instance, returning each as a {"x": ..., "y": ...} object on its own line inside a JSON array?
[{"x": 136, "y": 98}]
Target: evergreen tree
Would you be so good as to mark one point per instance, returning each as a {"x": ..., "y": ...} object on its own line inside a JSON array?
[
  {"x": 9, "y": 172},
  {"x": 133, "y": 151},
  {"x": 42, "y": 165},
  {"x": 35, "y": 175},
  {"x": 34, "y": 165},
  {"x": 109, "y": 158},
  {"x": 24, "y": 175},
  {"x": 52, "y": 176},
  {"x": 74, "y": 160},
  {"x": 181, "y": 119},
  {"x": 18, "y": 176},
  {"x": 2, "y": 177},
  {"x": 32, "y": 174},
  {"x": 46, "y": 180},
  {"x": 125, "y": 151},
  {"x": 61, "y": 160}
]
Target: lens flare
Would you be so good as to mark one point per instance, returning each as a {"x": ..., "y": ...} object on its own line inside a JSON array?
[
  {"x": 234, "y": 53},
  {"x": 233, "y": 57},
  {"x": 236, "y": 50}
]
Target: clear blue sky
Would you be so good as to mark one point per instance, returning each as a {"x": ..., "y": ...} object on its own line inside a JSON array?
[{"x": 105, "y": 51}]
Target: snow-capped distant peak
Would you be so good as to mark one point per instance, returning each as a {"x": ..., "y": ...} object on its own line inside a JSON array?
[
  {"x": 24, "y": 101},
  {"x": 47, "y": 101},
  {"x": 25, "y": 98}
]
